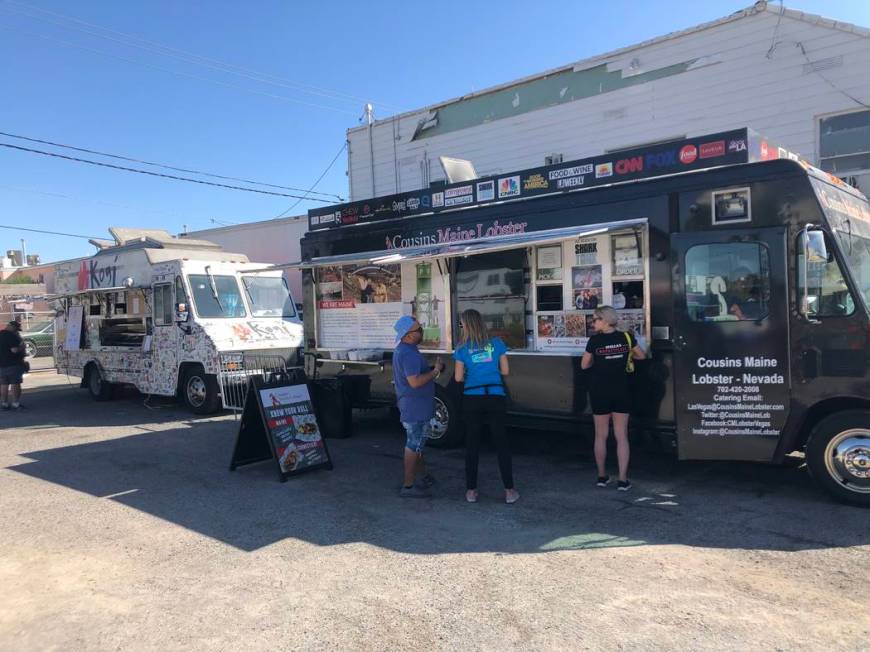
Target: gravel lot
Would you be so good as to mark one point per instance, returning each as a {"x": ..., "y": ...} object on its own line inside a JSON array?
[{"x": 121, "y": 528}]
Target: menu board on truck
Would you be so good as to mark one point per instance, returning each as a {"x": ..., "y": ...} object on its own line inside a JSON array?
[
  {"x": 74, "y": 328},
  {"x": 357, "y": 306},
  {"x": 424, "y": 295}
]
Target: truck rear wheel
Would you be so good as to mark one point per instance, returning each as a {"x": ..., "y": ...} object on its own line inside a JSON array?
[
  {"x": 199, "y": 391},
  {"x": 98, "y": 388},
  {"x": 838, "y": 456},
  {"x": 447, "y": 430}
]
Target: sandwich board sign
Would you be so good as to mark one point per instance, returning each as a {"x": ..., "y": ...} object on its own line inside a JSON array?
[{"x": 279, "y": 422}]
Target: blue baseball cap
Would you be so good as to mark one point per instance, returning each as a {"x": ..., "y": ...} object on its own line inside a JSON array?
[{"x": 403, "y": 325}]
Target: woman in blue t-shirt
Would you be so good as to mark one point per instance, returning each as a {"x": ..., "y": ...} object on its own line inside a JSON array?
[{"x": 481, "y": 363}]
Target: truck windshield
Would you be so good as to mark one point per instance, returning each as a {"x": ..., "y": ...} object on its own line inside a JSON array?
[
  {"x": 269, "y": 296},
  {"x": 227, "y": 303},
  {"x": 857, "y": 251},
  {"x": 849, "y": 217}
]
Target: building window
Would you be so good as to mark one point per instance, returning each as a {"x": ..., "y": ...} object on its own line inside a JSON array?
[{"x": 844, "y": 143}]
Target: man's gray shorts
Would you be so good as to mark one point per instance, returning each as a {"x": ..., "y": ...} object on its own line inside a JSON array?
[{"x": 11, "y": 375}]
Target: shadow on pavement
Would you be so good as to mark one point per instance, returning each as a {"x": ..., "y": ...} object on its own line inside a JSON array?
[{"x": 181, "y": 475}]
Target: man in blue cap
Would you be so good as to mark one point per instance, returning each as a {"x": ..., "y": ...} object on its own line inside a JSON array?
[{"x": 415, "y": 390}]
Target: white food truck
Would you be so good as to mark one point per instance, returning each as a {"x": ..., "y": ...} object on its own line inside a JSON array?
[{"x": 161, "y": 314}]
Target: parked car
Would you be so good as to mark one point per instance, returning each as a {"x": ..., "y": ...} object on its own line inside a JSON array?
[{"x": 39, "y": 341}]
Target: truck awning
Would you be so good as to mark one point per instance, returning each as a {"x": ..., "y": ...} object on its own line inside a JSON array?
[
  {"x": 465, "y": 248},
  {"x": 119, "y": 288}
]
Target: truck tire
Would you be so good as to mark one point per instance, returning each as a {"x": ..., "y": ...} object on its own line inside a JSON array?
[
  {"x": 838, "y": 456},
  {"x": 199, "y": 391},
  {"x": 98, "y": 388},
  {"x": 447, "y": 427}
]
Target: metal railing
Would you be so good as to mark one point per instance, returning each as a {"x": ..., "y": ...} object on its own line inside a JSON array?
[{"x": 237, "y": 370}]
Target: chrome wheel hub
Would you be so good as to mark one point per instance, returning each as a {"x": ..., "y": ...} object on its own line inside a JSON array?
[
  {"x": 438, "y": 424},
  {"x": 847, "y": 458},
  {"x": 196, "y": 391}
]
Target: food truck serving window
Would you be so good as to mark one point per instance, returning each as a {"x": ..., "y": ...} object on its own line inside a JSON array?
[
  {"x": 492, "y": 284},
  {"x": 216, "y": 296},
  {"x": 727, "y": 282},
  {"x": 163, "y": 304},
  {"x": 269, "y": 296}
]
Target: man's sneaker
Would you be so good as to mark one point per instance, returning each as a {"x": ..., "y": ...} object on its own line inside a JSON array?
[
  {"x": 623, "y": 485},
  {"x": 18, "y": 406},
  {"x": 511, "y": 496},
  {"x": 603, "y": 481},
  {"x": 427, "y": 481},
  {"x": 471, "y": 496},
  {"x": 414, "y": 491},
  {"x": 5, "y": 407}
]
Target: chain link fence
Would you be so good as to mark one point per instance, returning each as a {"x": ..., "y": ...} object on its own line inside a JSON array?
[{"x": 37, "y": 333}]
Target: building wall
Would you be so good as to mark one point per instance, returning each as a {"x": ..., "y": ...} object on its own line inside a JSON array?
[
  {"x": 724, "y": 79},
  {"x": 271, "y": 241},
  {"x": 42, "y": 273}
]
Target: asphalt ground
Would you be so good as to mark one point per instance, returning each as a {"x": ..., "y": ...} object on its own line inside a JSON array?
[{"x": 121, "y": 527}]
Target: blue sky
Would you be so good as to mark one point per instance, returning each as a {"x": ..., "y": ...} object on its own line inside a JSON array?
[{"x": 149, "y": 80}]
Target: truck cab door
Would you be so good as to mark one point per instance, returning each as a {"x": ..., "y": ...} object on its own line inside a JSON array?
[
  {"x": 164, "y": 339},
  {"x": 731, "y": 341}
]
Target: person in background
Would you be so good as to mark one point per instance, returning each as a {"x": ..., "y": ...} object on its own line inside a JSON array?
[
  {"x": 607, "y": 355},
  {"x": 744, "y": 296},
  {"x": 481, "y": 364},
  {"x": 11, "y": 366},
  {"x": 415, "y": 391}
]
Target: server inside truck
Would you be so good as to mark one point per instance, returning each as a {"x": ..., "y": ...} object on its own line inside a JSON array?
[{"x": 745, "y": 280}]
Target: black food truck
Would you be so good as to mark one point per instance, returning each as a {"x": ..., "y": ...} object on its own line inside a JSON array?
[{"x": 743, "y": 271}]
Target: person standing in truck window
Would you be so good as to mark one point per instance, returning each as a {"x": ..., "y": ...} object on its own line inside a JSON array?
[
  {"x": 11, "y": 366},
  {"x": 482, "y": 364},
  {"x": 608, "y": 355},
  {"x": 415, "y": 392}
]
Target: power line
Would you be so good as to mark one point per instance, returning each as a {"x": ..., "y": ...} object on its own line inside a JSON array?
[
  {"x": 179, "y": 72},
  {"x": 162, "y": 165},
  {"x": 800, "y": 46},
  {"x": 828, "y": 81},
  {"x": 69, "y": 235},
  {"x": 131, "y": 40},
  {"x": 314, "y": 185},
  {"x": 59, "y": 195},
  {"x": 159, "y": 174}
]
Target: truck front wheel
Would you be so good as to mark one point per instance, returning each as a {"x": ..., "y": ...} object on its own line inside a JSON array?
[
  {"x": 838, "y": 456},
  {"x": 199, "y": 391}
]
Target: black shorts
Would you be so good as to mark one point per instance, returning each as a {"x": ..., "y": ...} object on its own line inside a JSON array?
[{"x": 607, "y": 398}]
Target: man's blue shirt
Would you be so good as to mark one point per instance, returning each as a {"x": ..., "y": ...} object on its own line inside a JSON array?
[{"x": 415, "y": 405}]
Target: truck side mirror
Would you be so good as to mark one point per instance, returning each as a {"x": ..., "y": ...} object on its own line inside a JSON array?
[
  {"x": 813, "y": 250},
  {"x": 181, "y": 312},
  {"x": 816, "y": 249}
]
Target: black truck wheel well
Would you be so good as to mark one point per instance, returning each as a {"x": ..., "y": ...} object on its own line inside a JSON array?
[{"x": 823, "y": 409}]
